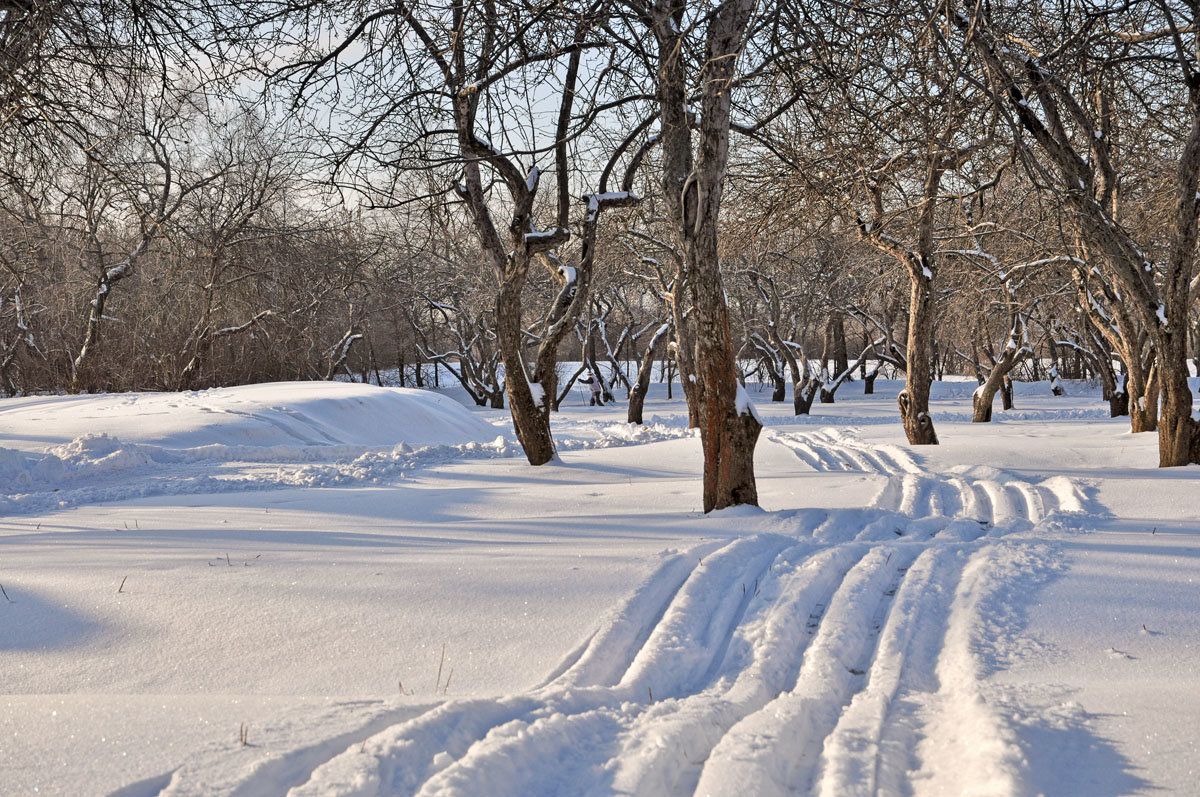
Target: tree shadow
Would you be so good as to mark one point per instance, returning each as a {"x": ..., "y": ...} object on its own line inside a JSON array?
[
  {"x": 34, "y": 622},
  {"x": 1066, "y": 757}
]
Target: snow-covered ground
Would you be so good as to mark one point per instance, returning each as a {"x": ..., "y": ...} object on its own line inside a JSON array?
[{"x": 373, "y": 589}]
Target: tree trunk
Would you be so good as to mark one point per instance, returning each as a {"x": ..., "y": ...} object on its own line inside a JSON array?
[
  {"x": 914, "y": 398},
  {"x": 531, "y": 417},
  {"x": 1178, "y": 434},
  {"x": 729, "y": 428},
  {"x": 779, "y": 384},
  {"x": 803, "y": 394},
  {"x": 685, "y": 360},
  {"x": 637, "y": 396},
  {"x": 1143, "y": 403},
  {"x": 1118, "y": 404},
  {"x": 837, "y": 333},
  {"x": 1006, "y": 393},
  {"x": 984, "y": 396}
]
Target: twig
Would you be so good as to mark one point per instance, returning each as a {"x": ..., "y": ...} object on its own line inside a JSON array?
[
  {"x": 440, "y": 663},
  {"x": 448, "y": 677},
  {"x": 2, "y": 589},
  {"x": 122, "y": 587}
]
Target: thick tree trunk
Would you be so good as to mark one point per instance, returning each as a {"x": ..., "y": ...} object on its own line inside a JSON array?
[
  {"x": 729, "y": 428},
  {"x": 981, "y": 405},
  {"x": 530, "y": 414},
  {"x": 914, "y": 399},
  {"x": 1178, "y": 433}
]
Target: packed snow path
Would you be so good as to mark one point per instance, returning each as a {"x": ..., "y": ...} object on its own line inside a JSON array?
[{"x": 839, "y": 656}]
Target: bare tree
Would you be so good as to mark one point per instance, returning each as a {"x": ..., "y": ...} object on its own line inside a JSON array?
[
  {"x": 1031, "y": 64},
  {"x": 455, "y": 99},
  {"x": 693, "y": 181}
]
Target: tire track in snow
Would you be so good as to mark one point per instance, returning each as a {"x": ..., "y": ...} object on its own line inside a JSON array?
[
  {"x": 913, "y": 491},
  {"x": 775, "y": 750},
  {"x": 816, "y": 662},
  {"x": 680, "y": 648}
]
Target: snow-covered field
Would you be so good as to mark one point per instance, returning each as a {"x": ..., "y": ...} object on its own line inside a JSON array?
[{"x": 373, "y": 590}]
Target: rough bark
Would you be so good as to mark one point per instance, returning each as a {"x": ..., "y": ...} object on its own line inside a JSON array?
[
  {"x": 728, "y": 428},
  {"x": 914, "y": 398}
]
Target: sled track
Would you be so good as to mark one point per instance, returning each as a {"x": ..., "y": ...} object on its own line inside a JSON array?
[{"x": 810, "y": 662}]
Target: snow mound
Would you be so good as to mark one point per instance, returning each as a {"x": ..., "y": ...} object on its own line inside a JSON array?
[
  {"x": 272, "y": 414},
  {"x": 355, "y": 432}
]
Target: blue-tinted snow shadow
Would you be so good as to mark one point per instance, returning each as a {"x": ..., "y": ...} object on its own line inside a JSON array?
[
  {"x": 1067, "y": 758},
  {"x": 34, "y": 622},
  {"x": 1064, "y": 751}
]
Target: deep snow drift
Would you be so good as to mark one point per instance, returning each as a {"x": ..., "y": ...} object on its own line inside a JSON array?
[{"x": 373, "y": 589}]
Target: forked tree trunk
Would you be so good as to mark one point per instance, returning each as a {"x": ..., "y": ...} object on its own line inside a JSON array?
[
  {"x": 983, "y": 398},
  {"x": 803, "y": 394},
  {"x": 997, "y": 379},
  {"x": 1006, "y": 393}
]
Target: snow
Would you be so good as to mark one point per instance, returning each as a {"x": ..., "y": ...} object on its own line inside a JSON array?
[
  {"x": 538, "y": 392},
  {"x": 1011, "y": 612},
  {"x": 743, "y": 405}
]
